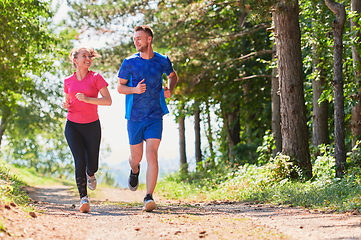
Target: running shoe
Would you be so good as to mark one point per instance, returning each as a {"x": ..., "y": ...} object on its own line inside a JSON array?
[
  {"x": 133, "y": 181},
  {"x": 149, "y": 204},
  {"x": 84, "y": 205},
  {"x": 91, "y": 181}
]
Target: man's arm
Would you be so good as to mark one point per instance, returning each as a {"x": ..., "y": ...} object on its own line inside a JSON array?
[
  {"x": 172, "y": 82},
  {"x": 123, "y": 88}
]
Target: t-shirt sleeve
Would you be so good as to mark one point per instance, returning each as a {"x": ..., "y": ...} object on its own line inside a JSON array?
[
  {"x": 124, "y": 71},
  {"x": 168, "y": 67},
  {"x": 100, "y": 82},
  {"x": 65, "y": 88}
]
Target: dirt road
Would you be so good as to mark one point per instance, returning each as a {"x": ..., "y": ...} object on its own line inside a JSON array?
[{"x": 116, "y": 214}]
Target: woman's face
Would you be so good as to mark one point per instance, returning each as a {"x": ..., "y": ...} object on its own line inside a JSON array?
[{"x": 83, "y": 59}]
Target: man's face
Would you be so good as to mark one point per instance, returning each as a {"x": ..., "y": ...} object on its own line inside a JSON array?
[{"x": 141, "y": 41}]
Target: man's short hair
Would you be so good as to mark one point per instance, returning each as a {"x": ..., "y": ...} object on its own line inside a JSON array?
[{"x": 144, "y": 28}]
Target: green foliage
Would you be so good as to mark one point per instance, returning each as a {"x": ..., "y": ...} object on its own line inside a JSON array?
[
  {"x": 26, "y": 44},
  {"x": 31, "y": 117},
  {"x": 184, "y": 184},
  {"x": 273, "y": 183},
  {"x": 265, "y": 151},
  {"x": 324, "y": 166},
  {"x": 11, "y": 188},
  {"x": 283, "y": 167}
]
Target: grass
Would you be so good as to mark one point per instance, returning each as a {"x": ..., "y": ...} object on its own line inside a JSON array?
[
  {"x": 270, "y": 183},
  {"x": 13, "y": 180},
  {"x": 11, "y": 187}
]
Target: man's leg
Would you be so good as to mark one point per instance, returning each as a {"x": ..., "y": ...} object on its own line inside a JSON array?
[
  {"x": 136, "y": 152},
  {"x": 152, "y": 146},
  {"x": 136, "y": 155}
]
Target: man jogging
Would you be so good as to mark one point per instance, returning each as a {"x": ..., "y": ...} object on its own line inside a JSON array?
[{"x": 140, "y": 79}]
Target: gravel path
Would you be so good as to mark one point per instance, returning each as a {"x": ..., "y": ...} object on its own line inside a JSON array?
[{"x": 116, "y": 214}]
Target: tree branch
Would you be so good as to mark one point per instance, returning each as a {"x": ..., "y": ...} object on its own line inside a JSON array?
[{"x": 253, "y": 76}]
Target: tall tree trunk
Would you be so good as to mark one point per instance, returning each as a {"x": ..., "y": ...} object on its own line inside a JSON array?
[
  {"x": 247, "y": 87},
  {"x": 293, "y": 110},
  {"x": 182, "y": 145},
  {"x": 276, "y": 117},
  {"x": 356, "y": 48},
  {"x": 320, "y": 110},
  {"x": 338, "y": 25},
  {"x": 211, "y": 161},
  {"x": 197, "y": 131},
  {"x": 232, "y": 125}
]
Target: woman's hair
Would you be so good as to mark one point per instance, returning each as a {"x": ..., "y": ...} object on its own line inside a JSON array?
[{"x": 75, "y": 51}]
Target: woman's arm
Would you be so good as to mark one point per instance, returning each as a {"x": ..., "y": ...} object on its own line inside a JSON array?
[
  {"x": 66, "y": 102},
  {"x": 105, "y": 100}
]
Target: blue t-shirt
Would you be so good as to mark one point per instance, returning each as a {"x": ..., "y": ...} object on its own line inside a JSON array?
[{"x": 150, "y": 104}]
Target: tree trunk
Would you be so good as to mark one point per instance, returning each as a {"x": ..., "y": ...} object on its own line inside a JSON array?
[
  {"x": 232, "y": 125},
  {"x": 356, "y": 109},
  {"x": 293, "y": 111},
  {"x": 320, "y": 110},
  {"x": 211, "y": 161},
  {"x": 182, "y": 145},
  {"x": 338, "y": 25},
  {"x": 197, "y": 131},
  {"x": 276, "y": 117}
]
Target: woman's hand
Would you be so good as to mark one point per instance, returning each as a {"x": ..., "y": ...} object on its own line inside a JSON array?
[
  {"x": 65, "y": 104},
  {"x": 81, "y": 97}
]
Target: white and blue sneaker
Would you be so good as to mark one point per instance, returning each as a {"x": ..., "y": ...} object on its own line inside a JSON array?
[
  {"x": 91, "y": 181},
  {"x": 84, "y": 205}
]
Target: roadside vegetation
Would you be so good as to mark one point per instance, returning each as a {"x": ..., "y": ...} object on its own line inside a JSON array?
[
  {"x": 11, "y": 187},
  {"x": 273, "y": 183}
]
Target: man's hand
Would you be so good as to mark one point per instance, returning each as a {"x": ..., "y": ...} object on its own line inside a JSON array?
[
  {"x": 141, "y": 87},
  {"x": 167, "y": 92}
]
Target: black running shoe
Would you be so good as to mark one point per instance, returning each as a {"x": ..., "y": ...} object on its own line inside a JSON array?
[
  {"x": 149, "y": 204},
  {"x": 133, "y": 181}
]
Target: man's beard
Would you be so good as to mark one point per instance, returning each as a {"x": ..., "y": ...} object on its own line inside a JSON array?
[{"x": 142, "y": 49}]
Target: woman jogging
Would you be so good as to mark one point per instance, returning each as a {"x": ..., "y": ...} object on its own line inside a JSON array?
[{"x": 82, "y": 128}]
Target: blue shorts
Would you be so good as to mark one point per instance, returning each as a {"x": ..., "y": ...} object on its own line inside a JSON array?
[{"x": 139, "y": 131}]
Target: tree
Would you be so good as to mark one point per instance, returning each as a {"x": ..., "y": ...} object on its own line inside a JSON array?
[
  {"x": 293, "y": 111},
  {"x": 197, "y": 132},
  {"x": 356, "y": 49},
  {"x": 26, "y": 45},
  {"x": 182, "y": 142},
  {"x": 315, "y": 45},
  {"x": 31, "y": 128},
  {"x": 339, "y": 111},
  {"x": 276, "y": 116}
]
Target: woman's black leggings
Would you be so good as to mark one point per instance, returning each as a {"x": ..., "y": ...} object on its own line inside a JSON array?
[{"x": 84, "y": 143}]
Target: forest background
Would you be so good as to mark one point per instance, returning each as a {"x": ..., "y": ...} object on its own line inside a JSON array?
[{"x": 273, "y": 85}]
